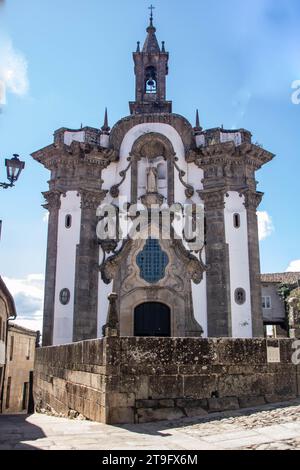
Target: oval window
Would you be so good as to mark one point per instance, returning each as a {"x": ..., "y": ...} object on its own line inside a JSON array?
[
  {"x": 240, "y": 296},
  {"x": 236, "y": 220},
  {"x": 64, "y": 296},
  {"x": 68, "y": 221}
]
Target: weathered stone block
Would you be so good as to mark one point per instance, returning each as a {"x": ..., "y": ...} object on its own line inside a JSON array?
[
  {"x": 165, "y": 387},
  {"x": 200, "y": 386},
  {"x": 223, "y": 404},
  {"x": 192, "y": 403},
  {"x": 249, "y": 402},
  {"x": 159, "y": 414},
  {"x": 195, "y": 411},
  {"x": 194, "y": 351},
  {"x": 119, "y": 415},
  {"x": 241, "y": 351},
  {"x": 146, "y": 403},
  {"x": 278, "y": 398},
  {"x": 122, "y": 400},
  {"x": 285, "y": 383},
  {"x": 166, "y": 403},
  {"x": 138, "y": 385},
  {"x": 241, "y": 385}
]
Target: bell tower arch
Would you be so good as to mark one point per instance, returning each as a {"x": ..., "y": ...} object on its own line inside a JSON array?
[{"x": 151, "y": 70}]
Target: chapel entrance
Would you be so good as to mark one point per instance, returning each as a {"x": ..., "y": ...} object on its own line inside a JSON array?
[{"x": 152, "y": 319}]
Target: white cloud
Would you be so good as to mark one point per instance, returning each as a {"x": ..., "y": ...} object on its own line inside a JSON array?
[
  {"x": 294, "y": 266},
  {"x": 46, "y": 217},
  {"x": 28, "y": 294},
  {"x": 265, "y": 225},
  {"x": 13, "y": 71}
]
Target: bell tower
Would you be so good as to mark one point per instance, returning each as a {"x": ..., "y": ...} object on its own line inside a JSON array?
[{"x": 151, "y": 70}]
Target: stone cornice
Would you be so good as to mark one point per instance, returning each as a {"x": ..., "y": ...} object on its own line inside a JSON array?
[
  {"x": 228, "y": 153},
  {"x": 53, "y": 199},
  {"x": 91, "y": 199},
  {"x": 252, "y": 199},
  {"x": 57, "y": 155},
  {"x": 213, "y": 199}
]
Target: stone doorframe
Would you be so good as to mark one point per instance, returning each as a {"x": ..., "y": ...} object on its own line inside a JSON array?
[
  {"x": 142, "y": 295},
  {"x": 174, "y": 289},
  {"x": 152, "y": 145}
]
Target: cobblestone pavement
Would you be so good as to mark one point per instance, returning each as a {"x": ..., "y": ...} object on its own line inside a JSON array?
[{"x": 268, "y": 427}]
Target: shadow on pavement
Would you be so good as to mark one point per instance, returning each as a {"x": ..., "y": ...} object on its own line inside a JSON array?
[
  {"x": 15, "y": 429},
  {"x": 156, "y": 428}
]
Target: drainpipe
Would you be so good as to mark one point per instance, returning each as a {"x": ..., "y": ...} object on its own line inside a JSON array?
[{"x": 12, "y": 317}]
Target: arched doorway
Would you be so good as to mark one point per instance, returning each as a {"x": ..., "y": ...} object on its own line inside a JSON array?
[{"x": 152, "y": 319}]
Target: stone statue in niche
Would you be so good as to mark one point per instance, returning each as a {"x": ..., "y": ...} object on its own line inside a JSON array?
[{"x": 152, "y": 180}]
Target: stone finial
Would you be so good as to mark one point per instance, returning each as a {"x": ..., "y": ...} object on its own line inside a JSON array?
[
  {"x": 111, "y": 328},
  {"x": 138, "y": 47},
  {"x": 105, "y": 127},
  {"x": 163, "y": 48},
  {"x": 197, "y": 127}
]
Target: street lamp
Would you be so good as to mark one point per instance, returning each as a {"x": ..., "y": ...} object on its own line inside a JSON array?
[{"x": 14, "y": 166}]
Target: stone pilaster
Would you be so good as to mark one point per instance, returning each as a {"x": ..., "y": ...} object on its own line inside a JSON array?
[
  {"x": 217, "y": 260},
  {"x": 87, "y": 269},
  {"x": 53, "y": 199},
  {"x": 252, "y": 201}
]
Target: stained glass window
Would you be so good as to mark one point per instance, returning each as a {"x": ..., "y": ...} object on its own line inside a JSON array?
[{"x": 152, "y": 261}]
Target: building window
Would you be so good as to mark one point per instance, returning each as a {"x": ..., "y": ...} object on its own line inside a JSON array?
[
  {"x": 152, "y": 261},
  {"x": 28, "y": 350},
  {"x": 266, "y": 302},
  {"x": 64, "y": 296},
  {"x": 0, "y": 328},
  {"x": 240, "y": 296},
  {"x": 25, "y": 395},
  {"x": 68, "y": 221},
  {"x": 3, "y": 331},
  {"x": 151, "y": 87},
  {"x": 11, "y": 354},
  {"x": 8, "y": 392},
  {"x": 236, "y": 220}
]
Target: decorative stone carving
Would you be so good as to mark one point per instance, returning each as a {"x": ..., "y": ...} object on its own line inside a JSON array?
[
  {"x": 213, "y": 200},
  {"x": 194, "y": 266},
  {"x": 114, "y": 190},
  {"x": 151, "y": 180},
  {"x": 91, "y": 199},
  {"x": 252, "y": 199},
  {"x": 189, "y": 191},
  {"x": 53, "y": 199}
]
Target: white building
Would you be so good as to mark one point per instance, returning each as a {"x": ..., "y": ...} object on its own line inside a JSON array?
[{"x": 165, "y": 286}]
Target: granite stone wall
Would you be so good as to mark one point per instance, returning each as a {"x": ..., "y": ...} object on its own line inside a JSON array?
[{"x": 134, "y": 380}]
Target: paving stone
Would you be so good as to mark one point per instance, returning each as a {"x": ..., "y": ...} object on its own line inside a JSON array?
[{"x": 268, "y": 427}]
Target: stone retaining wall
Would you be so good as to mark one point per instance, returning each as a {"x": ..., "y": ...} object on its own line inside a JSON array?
[{"x": 127, "y": 379}]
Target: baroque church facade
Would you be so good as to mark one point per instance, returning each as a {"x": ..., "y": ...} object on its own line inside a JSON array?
[{"x": 152, "y": 157}]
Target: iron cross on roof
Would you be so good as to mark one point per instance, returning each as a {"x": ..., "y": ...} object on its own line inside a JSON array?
[{"x": 151, "y": 8}]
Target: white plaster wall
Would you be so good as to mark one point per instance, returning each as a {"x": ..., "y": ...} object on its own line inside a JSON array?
[
  {"x": 67, "y": 241},
  {"x": 237, "y": 239},
  {"x": 2, "y": 353},
  {"x": 104, "y": 140},
  {"x": 235, "y": 137},
  {"x": 200, "y": 140},
  {"x": 195, "y": 177},
  {"x": 199, "y": 296},
  {"x": 70, "y": 136}
]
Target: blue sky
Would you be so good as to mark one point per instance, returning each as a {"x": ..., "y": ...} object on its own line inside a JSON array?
[{"x": 68, "y": 59}]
